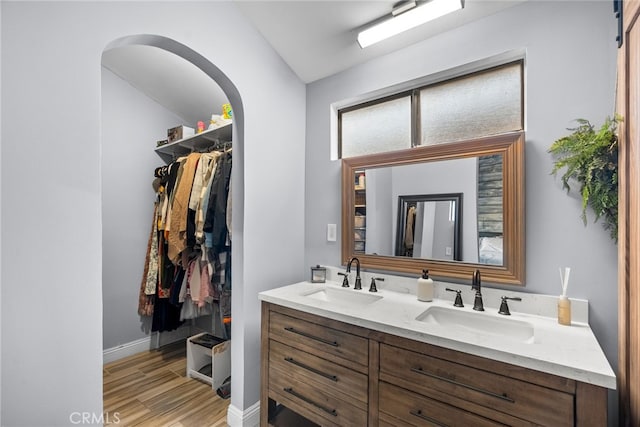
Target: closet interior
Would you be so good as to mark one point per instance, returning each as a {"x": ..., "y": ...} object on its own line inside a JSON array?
[{"x": 187, "y": 272}]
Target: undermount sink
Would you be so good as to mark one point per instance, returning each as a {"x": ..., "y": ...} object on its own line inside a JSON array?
[
  {"x": 348, "y": 297},
  {"x": 479, "y": 323}
]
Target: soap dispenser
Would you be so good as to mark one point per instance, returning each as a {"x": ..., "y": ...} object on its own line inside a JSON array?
[{"x": 425, "y": 287}]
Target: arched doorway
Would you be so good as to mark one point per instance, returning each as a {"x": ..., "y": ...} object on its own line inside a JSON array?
[{"x": 229, "y": 89}]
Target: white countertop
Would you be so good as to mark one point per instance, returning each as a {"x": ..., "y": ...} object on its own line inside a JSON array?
[{"x": 567, "y": 351}]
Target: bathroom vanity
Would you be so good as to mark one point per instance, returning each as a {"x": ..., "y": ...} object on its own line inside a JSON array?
[{"x": 342, "y": 357}]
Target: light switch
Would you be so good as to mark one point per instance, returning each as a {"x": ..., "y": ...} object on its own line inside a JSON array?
[{"x": 331, "y": 233}]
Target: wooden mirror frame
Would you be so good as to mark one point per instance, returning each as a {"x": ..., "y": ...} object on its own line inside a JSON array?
[{"x": 511, "y": 146}]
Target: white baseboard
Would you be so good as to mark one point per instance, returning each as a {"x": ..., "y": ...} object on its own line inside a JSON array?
[
  {"x": 112, "y": 354},
  {"x": 144, "y": 344},
  {"x": 250, "y": 417}
]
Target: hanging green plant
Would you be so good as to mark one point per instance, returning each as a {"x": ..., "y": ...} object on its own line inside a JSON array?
[{"x": 591, "y": 158}]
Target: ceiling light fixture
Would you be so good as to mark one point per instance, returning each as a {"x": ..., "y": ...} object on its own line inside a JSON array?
[{"x": 406, "y": 16}]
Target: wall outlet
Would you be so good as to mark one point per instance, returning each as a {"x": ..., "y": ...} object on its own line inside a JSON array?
[
  {"x": 448, "y": 251},
  {"x": 332, "y": 232}
]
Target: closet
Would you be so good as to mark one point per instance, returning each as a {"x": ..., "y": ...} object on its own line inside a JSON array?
[{"x": 187, "y": 271}]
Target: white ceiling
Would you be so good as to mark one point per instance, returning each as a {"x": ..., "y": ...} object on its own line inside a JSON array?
[{"x": 316, "y": 38}]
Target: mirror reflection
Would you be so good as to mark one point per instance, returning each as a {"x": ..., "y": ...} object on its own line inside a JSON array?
[
  {"x": 429, "y": 226},
  {"x": 451, "y": 208},
  {"x": 444, "y": 227}
]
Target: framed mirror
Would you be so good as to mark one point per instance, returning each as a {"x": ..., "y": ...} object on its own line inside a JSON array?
[
  {"x": 476, "y": 185},
  {"x": 429, "y": 226}
]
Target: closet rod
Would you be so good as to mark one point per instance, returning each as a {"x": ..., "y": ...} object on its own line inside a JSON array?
[
  {"x": 162, "y": 171},
  {"x": 217, "y": 146}
]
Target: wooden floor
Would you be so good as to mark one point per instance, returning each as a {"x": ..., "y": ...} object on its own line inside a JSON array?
[{"x": 151, "y": 389}]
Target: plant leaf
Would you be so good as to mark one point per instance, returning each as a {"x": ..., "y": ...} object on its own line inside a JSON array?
[{"x": 590, "y": 158}]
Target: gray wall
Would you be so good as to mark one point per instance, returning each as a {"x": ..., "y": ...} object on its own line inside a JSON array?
[
  {"x": 51, "y": 189},
  {"x": 570, "y": 73},
  {"x": 131, "y": 124},
  {"x": 379, "y": 212}
]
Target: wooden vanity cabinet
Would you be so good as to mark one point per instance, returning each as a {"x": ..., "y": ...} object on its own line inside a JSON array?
[
  {"x": 315, "y": 367},
  {"x": 336, "y": 374},
  {"x": 498, "y": 393}
]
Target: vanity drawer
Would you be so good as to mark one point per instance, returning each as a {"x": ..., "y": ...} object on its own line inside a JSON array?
[
  {"x": 437, "y": 377},
  {"x": 402, "y": 407},
  {"x": 323, "y": 373},
  {"x": 311, "y": 401},
  {"x": 320, "y": 340}
]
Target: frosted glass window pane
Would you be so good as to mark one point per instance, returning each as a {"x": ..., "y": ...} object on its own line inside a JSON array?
[
  {"x": 377, "y": 128},
  {"x": 478, "y": 105}
]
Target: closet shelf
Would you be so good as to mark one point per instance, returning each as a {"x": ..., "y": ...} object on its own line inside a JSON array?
[{"x": 198, "y": 142}]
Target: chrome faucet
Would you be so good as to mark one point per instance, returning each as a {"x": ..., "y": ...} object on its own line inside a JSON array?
[
  {"x": 358, "y": 284},
  {"x": 476, "y": 284}
]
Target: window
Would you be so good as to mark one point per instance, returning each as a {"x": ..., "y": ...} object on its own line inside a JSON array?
[
  {"x": 383, "y": 125},
  {"x": 488, "y": 102}
]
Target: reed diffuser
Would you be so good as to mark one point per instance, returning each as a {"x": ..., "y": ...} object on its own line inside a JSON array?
[{"x": 564, "y": 303}]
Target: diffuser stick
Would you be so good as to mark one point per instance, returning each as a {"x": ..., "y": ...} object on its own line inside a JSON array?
[{"x": 564, "y": 279}]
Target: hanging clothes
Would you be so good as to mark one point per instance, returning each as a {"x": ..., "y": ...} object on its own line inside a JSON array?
[
  {"x": 216, "y": 217},
  {"x": 187, "y": 266},
  {"x": 152, "y": 257},
  {"x": 409, "y": 230},
  {"x": 145, "y": 301},
  {"x": 201, "y": 189},
  {"x": 177, "y": 233},
  {"x": 217, "y": 236}
]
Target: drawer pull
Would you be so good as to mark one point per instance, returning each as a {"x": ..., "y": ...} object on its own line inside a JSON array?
[
  {"x": 419, "y": 414},
  {"x": 470, "y": 387},
  {"x": 311, "y": 369},
  {"x": 306, "y": 399},
  {"x": 304, "y": 334}
]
